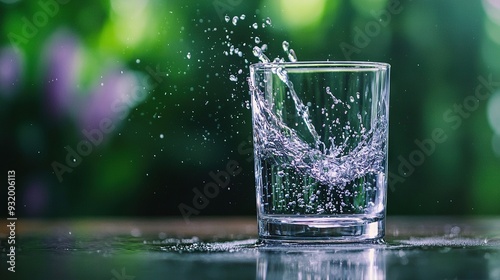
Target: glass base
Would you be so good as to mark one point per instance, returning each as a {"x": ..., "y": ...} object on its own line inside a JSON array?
[{"x": 310, "y": 230}]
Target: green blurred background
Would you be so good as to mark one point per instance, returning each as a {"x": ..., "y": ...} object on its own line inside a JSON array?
[{"x": 141, "y": 90}]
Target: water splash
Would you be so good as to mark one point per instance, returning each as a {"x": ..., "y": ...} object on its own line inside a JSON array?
[
  {"x": 289, "y": 52},
  {"x": 275, "y": 139},
  {"x": 257, "y": 52}
]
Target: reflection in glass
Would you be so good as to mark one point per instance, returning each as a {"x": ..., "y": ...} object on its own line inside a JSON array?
[{"x": 316, "y": 263}]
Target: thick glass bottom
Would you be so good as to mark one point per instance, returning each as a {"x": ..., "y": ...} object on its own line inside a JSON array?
[{"x": 279, "y": 229}]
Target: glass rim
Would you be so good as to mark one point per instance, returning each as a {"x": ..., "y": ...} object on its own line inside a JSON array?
[{"x": 323, "y": 65}]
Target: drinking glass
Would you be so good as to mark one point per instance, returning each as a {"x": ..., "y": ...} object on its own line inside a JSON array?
[{"x": 320, "y": 132}]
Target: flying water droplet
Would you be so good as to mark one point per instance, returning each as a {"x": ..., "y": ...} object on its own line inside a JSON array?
[
  {"x": 255, "y": 25},
  {"x": 188, "y": 55},
  {"x": 235, "y": 20},
  {"x": 286, "y": 46},
  {"x": 289, "y": 52},
  {"x": 243, "y": 16},
  {"x": 292, "y": 56},
  {"x": 227, "y": 18},
  {"x": 257, "y": 52},
  {"x": 233, "y": 78},
  {"x": 257, "y": 40},
  {"x": 268, "y": 21}
]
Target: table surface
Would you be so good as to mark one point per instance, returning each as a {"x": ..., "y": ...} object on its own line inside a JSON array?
[{"x": 224, "y": 248}]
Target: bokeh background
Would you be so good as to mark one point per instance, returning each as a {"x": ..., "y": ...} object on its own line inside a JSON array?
[{"x": 125, "y": 108}]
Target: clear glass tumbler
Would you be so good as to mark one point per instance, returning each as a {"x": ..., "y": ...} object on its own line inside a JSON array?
[{"x": 320, "y": 132}]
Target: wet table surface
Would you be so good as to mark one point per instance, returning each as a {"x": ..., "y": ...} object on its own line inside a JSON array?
[{"x": 224, "y": 248}]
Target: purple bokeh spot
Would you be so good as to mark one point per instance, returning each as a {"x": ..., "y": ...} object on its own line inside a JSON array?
[
  {"x": 62, "y": 59},
  {"x": 111, "y": 99},
  {"x": 494, "y": 3},
  {"x": 11, "y": 68}
]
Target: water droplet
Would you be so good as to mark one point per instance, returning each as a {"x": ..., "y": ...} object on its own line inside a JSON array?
[
  {"x": 255, "y": 25},
  {"x": 292, "y": 56},
  {"x": 281, "y": 173},
  {"x": 285, "y": 45},
  {"x": 227, "y": 18},
  {"x": 264, "y": 47},
  {"x": 257, "y": 40},
  {"x": 188, "y": 55},
  {"x": 235, "y": 20},
  {"x": 240, "y": 71},
  {"x": 351, "y": 99},
  {"x": 259, "y": 54},
  {"x": 161, "y": 136},
  {"x": 137, "y": 61},
  {"x": 242, "y": 17},
  {"x": 257, "y": 51},
  {"x": 233, "y": 78},
  {"x": 268, "y": 21}
]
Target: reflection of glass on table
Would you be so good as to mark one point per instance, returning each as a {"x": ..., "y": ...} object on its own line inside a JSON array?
[{"x": 311, "y": 263}]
